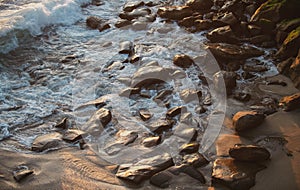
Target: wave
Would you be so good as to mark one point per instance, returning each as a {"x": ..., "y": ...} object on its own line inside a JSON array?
[{"x": 33, "y": 17}]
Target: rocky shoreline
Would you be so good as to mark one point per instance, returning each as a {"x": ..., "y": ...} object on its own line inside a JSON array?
[{"x": 256, "y": 145}]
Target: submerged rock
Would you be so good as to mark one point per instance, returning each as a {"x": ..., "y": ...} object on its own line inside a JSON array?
[
  {"x": 182, "y": 60},
  {"x": 226, "y": 78},
  {"x": 249, "y": 153},
  {"x": 245, "y": 120},
  {"x": 46, "y": 141},
  {"x": 290, "y": 103}
]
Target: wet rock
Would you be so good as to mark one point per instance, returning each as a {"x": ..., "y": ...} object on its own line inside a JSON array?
[
  {"x": 182, "y": 60},
  {"x": 235, "y": 174},
  {"x": 185, "y": 132},
  {"x": 103, "y": 26},
  {"x": 186, "y": 117},
  {"x": 290, "y": 103},
  {"x": 72, "y": 135},
  {"x": 194, "y": 173},
  {"x": 189, "y": 95},
  {"x": 175, "y": 111},
  {"x": 93, "y": 22},
  {"x": 97, "y": 2},
  {"x": 63, "y": 124},
  {"x": 151, "y": 141},
  {"x": 175, "y": 12},
  {"x": 46, "y": 141},
  {"x": 104, "y": 116},
  {"x": 126, "y": 137},
  {"x": 161, "y": 179},
  {"x": 242, "y": 96},
  {"x": 284, "y": 28},
  {"x": 228, "y": 18},
  {"x": 227, "y": 141},
  {"x": 163, "y": 94},
  {"x": 161, "y": 125},
  {"x": 21, "y": 173},
  {"x": 260, "y": 39},
  {"x": 290, "y": 45},
  {"x": 197, "y": 160},
  {"x": 225, "y": 51},
  {"x": 122, "y": 23},
  {"x": 255, "y": 68},
  {"x": 201, "y": 25},
  {"x": 144, "y": 168},
  {"x": 145, "y": 114},
  {"x": 189, "y": 21},
  {"x": 189, "y": 148},
  {"x": 137, "y": 25},
  {"x": 249, "y": 153},
  {"x": 223, "y": 34},
  {"x": 129, "y": 91},
  {"x": 126, "y": 47},
  {"x": 130, "y": 6},
  {"x": 136, "y": 13},
  {"x": 254, "y": 30},
  {"x": 226, "y": 78},
  {"x": 245, "y": 120},
  {"x": 200, "y": 5}
]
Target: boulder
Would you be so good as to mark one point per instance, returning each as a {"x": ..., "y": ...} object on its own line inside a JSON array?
[
  {"x": 200, "y": 5},
  {"x": 284, "y": 28},
  {"x": 46, "y": 141},
  {"x": 151, "y": 141},
  {"x": 174, "y": 12},
  {"x": 291, "y": 102},
  {"x": 161, "y": 125},
  {"x": 249, "y": 153},
  {"x": 72, "y": 135},
  {"x": 22, "y": 172},
  {"x": 223, "y": 34},
  {"x": 290, "y": 45},
  {"x": 182, "y": 60},
  {"x": 93, "y": 22},
  {"x": 245, "y": 120}
]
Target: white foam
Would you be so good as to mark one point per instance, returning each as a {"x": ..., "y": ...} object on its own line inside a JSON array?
[{"x": 33, "y": 17}]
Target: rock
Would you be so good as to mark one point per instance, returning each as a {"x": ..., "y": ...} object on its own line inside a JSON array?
[
  {"x": 137, "y": 25},
  {"x": 242, "y": 96},
  {"x": 122, "y": 23},
  {"x": 225, "y": 51},
  {"x": 194, "y": 173},
  {"x": 21, "y": 173},
  {"x": 228, "y": 19},
  {"x": 136, "y": 13},
  {"x": 222, "y": 148},
  {"x": 97, "y": 2},
  {"x": 182, "y": 60},
  {"x": 145, "y": 114},
  {"x": 294, "y": 71},
  {"x": 93, "y": 22},
  {"x": 144, "y": 168},
  {"x": 226, "y": 78},
  {"x": 254, "y": 30},
  {"x": 260, "y": 39},
  {"x": 63, "y": 124},
  {"x": 255, "y": 68},
  {"x": 200, "y": 5},
  {"x": 161, "y": 125},
  {"x": 151, "y": 141},
  {"x": 224, "y": 35},
  {"x": 130, "y": 6},
  {"x": 126, "y": 47},
  {"x": 196, "y": 160},
  {"x": 175, "y": 111},
  {"x": 161, "y": 179},
  {"x": 245, "y": 120},
  {"x": 284, "y": 28},
  {"x": 189, "y": 95},
  {"x": 163, "y": 94},
  {"x": 126, "y": 137},
  {"x": 186, "y": 117},
  {"x": 104, "y": 116},
  {"x": 235, "y": 174},
  {"x": 46, "y": 141},
  {"x": 188, "y": 21},
  {"x": 249, "y": 153},
  {"x": 267, "y": 26},
  {"x": 72, "y": 135},
  {"x": 201, "y": 25},
  {"x": 185, "y": 132},
  {"x": 189, "y": 148},
  {"x": 129, "y": 91},
  {"x": 290, "y": 45},
  {"x": 97, "y": 122},
  {"x": 174, "y": 12},
  {"x": 290, "y": 103},
  {"x": 103, "y": 26}
]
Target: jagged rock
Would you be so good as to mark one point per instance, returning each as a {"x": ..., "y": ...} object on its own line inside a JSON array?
[
  {"x": 249, "y": 153},
  {"x": 196, "y": 160},
  {"x": 161, "y": 125},
  {"x": 72, "y": 135},
  {"x": 21, "y": 173},
  {"x": 130, "y": 6},
  {"x": 223, "y": 34},
  {"x": 189, "y": 95},
  {"x": 144, "y": 168},
  {"x": 189, "y": 148},
  {"x": 151, "y": 141},
  {"x": 145, "y": 114},
  {"x": 126, "y": 47},
  {"x": 182, "y": 60},
  {"x": 175, "y": 111},
  {"x": 225, "y": 51},
  {"x": 290, "y": 103},
  {"x": 63, "y": 124},
  {"x": 175, "y": 12},
  {"x": 46, "y": 141},
  {"x": 200, "y": 5},
  {"x": 245, "y": 120},
  {"x": 235, "y": 174},
  {"x": 93, "y": 22}
]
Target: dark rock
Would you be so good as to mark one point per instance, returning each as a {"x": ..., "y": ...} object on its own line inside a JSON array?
[
  {"x": 126, "y": 47},
  {"x": 266, "y": 25},
  {"x": 138, "y": 25},
  {"x": 21, "y": 173},
  {"x": 151, "y": 141},
  {"x": 135, "y": 58},
  {"x": 226, "y": 78},
  {"x": 93, "y": 22},
  {"x": 294, "y": 71},
  {"x": 290, "y": 103},
  {"x": 254, "y": 30},
  {"x": 194, "y": 173},
  {"x": 97, "y": 2},
  {"x": 260, "y": 39},
  {"x": 130, "y": 6},
  {"x": 228, "y": 19},
  {"x": 175, "y": 111},
  {"x": 235, "y": 174},
  {"x": 161, "y": 179},
  {"x": 223, "y": 34},
  {"x": 145, "y": 114},
  {"x": 201, "y": 25},
  {"x": 72, "y": 135},
  {"x": 46, "y": 141},
  {"x": 122, "y": 23},
  {"x": 200, "y": 5},
  {"x": 182, "y": 60},
  {"x": 188, "y": 21},
  {"x": 284, "y": 28},
  {"x": 161, "y": 125},
  {"x": 189, "y": 148},
  {"x": 290, "y": 45},
  {"x": 63, "y": 124},
  {"x": 144, "y": 168},
  {"x": 245, "y": 120},
  {"x": 200, "y": 109},
  {"x": 225, "y": 51},
  {"x": 242, "y": 96},
  {"x": 255, "y": 68},
  {"x": 249, "y": 153},
  {"x": 175, "y": 12},
  {"x": 197, "y": 160},
  {"x": 103, "y": 27}
]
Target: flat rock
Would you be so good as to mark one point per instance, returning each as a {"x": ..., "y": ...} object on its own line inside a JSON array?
[
  {"x": 63, "y": 124},
  {"x": 188, "y": 95},
  {"x": 195, "y": 159},
  {"x": 249, "y": 153},
  {"x": 130, "y": 6},
  {"x": 151, "y": 141},
  {"x": 161, "y": 125},
  {"x": 182, "y": 60},
  {"x": 235, "y": 174},
  {"x": 72, "y": 135},
  {"x": 245, "y": 120},
  {"x": 225, "y": 81},
  {"x": 291, "y": 102},
  {"x": 46, "y": 141}
]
